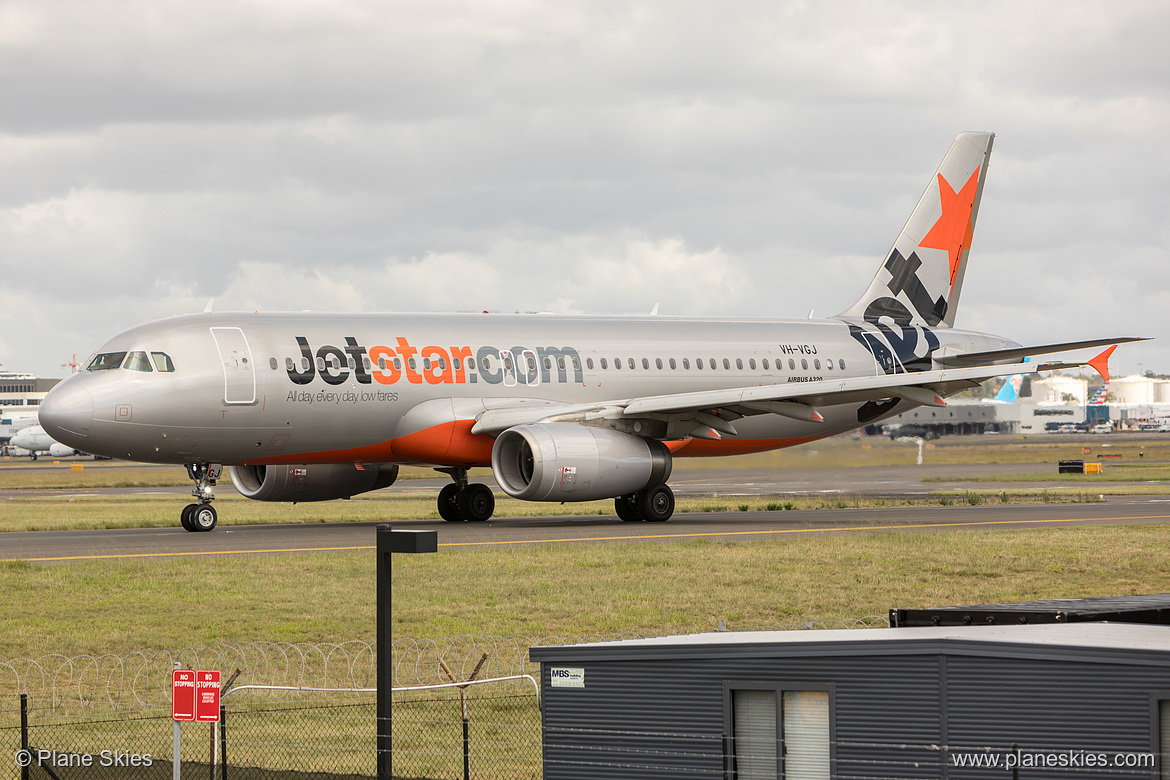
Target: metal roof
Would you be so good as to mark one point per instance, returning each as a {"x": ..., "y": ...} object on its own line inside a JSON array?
[{"x": 1149, "y": 642}]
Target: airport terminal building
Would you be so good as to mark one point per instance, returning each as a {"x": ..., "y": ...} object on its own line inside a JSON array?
[{"x": 20, "y": 395}]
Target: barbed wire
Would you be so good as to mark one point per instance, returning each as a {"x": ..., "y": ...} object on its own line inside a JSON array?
[
  {"x": 416, "y": 661},
  {"x": 143, "y": 679}
]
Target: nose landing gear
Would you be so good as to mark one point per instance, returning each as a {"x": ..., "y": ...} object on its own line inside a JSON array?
[
  {"x": 460, "y": 501},
  {"x": 201, "y": 516}
]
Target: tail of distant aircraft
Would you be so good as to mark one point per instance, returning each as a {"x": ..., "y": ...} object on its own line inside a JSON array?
[
  {"x": 920, "y": 280},
  {"x": 1098, "y": 398},
  {"x": 1010, "y": 390}
]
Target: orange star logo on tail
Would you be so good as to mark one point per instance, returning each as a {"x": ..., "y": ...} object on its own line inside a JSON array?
[{"x": 952, "y": 232}]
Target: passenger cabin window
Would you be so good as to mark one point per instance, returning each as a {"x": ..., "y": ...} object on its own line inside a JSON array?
[
  {"x": 645, "y": 363},
  {"x": 686, "y": 363},
  {"x": 630, "y": 363},
  {"x": 589, "y": 363},
  {"x": 841, "y": 363},
  {"x": 288, "y": 364},
  {"x": 603, "y": 363},
  {"x": 162, "y": 362},
  {"x": 804, "y": 363},
  {"x": 791, "y": 364},
  {"x": 766, "y": 364},
  {"x": 658, "y": 363},
  {"x": 273, "y": 364},
  {"x": 106, "y": 361},
  {"x": 752, "y": 364},
  {"x": 672, "y": 364},
  {"x": 817, "y": 364},
  {"x": 137, "y": 361}
]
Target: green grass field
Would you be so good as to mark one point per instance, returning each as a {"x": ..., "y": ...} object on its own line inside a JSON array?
[{"x": 549, "y": 590}]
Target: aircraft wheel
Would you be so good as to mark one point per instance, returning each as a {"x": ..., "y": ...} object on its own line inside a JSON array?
[
  {"x": 203, "y": 517},
  {"x": 627, "y": 508},
  {"x": 657, "y": 504},
  {"x": 185, "y": 516},
  {"x": 449, "y": 504},
  {"x": 476, "y": 503}
]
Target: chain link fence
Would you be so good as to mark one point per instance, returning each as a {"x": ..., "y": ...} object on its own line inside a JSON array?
[{"x": 109, "y": 716}]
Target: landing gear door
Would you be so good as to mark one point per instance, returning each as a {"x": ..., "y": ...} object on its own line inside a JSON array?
[{"x": 239, "y": 379}]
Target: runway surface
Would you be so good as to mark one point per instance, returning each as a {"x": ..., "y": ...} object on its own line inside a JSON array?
[{"x": 63, "y": 546}]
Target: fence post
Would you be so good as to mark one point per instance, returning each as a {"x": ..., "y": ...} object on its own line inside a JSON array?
[
  {"x": 24, "y": 732},
  {"x": 222, "y": 741}
]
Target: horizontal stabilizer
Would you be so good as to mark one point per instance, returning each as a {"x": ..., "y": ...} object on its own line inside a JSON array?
[{"x": 1016, "y": 353}]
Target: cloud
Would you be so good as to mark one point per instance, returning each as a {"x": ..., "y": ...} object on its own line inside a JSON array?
[{"x": 578, "y": 157}]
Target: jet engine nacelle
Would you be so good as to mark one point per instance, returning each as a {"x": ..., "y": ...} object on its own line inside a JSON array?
[
  {"x": 61, "y": 451},
  {"x": 551, "y": 462},
  {"x": 312, "y": 482}
]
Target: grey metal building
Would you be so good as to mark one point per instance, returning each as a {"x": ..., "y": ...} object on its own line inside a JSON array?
[{"x": 1054, "y": 701}]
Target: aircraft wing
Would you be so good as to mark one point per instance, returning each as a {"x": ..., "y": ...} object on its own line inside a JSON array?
[{"x": 716, "y": 408}]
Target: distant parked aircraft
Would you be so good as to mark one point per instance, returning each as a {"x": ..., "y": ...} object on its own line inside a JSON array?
[{"x": 36, "y": 441}]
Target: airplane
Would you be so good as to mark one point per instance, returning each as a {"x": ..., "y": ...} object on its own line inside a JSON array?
[
  {"x": 313, "y": 406},
  {"x": 35, "y": 440}
]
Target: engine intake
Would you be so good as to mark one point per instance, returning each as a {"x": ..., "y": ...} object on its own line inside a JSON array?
[
  {"x": 550, "y": 462},
  {"x": 311, "y": 482}
]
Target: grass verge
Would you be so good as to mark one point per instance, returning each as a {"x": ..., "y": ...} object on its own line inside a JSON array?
[{"x": 561, "y": 590}]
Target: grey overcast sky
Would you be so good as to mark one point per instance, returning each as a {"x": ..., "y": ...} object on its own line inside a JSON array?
[{"x": 741, "y": 159}]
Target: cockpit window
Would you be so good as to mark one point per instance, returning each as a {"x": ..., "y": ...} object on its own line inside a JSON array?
[
  {"x": 137, "y": 362},
  {"x": 105, "y": 361},
  {"x": 162, "y": 361}
]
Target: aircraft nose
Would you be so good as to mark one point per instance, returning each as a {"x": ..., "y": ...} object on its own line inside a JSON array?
[{"x": 66, "y": 414}]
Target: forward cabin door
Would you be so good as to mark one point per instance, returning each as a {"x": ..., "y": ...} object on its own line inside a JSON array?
[{"x": 239, "y": 378}]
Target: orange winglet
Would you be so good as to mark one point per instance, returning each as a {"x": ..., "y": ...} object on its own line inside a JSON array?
[{"x": 1100, "y": 364}]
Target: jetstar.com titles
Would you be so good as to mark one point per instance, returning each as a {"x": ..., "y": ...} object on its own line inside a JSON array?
[{"x": 433, "y": 364}]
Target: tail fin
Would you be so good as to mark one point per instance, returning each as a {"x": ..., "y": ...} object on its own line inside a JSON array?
[
  {"x": 1011, "y": 388},
  {"x": 923, "y": 273}
]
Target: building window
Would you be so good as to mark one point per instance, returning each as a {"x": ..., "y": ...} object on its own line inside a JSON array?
[
  {"x": 790, "y": 741},
  {"x": 753, "y": 731}
]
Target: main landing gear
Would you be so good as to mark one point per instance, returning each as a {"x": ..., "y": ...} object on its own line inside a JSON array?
[
  {"x": 654, "y": 505},
  {"x": 201, "y": 516},
  {"x": 460, "y": 501}
]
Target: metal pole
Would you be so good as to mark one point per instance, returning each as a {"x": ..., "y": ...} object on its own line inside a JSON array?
[
  {"x": 176, "y": 756},
  {"x": 385, "y": 671},
  {"x": 24, "y": 732},
  {"x": 223, "y": 740}
]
